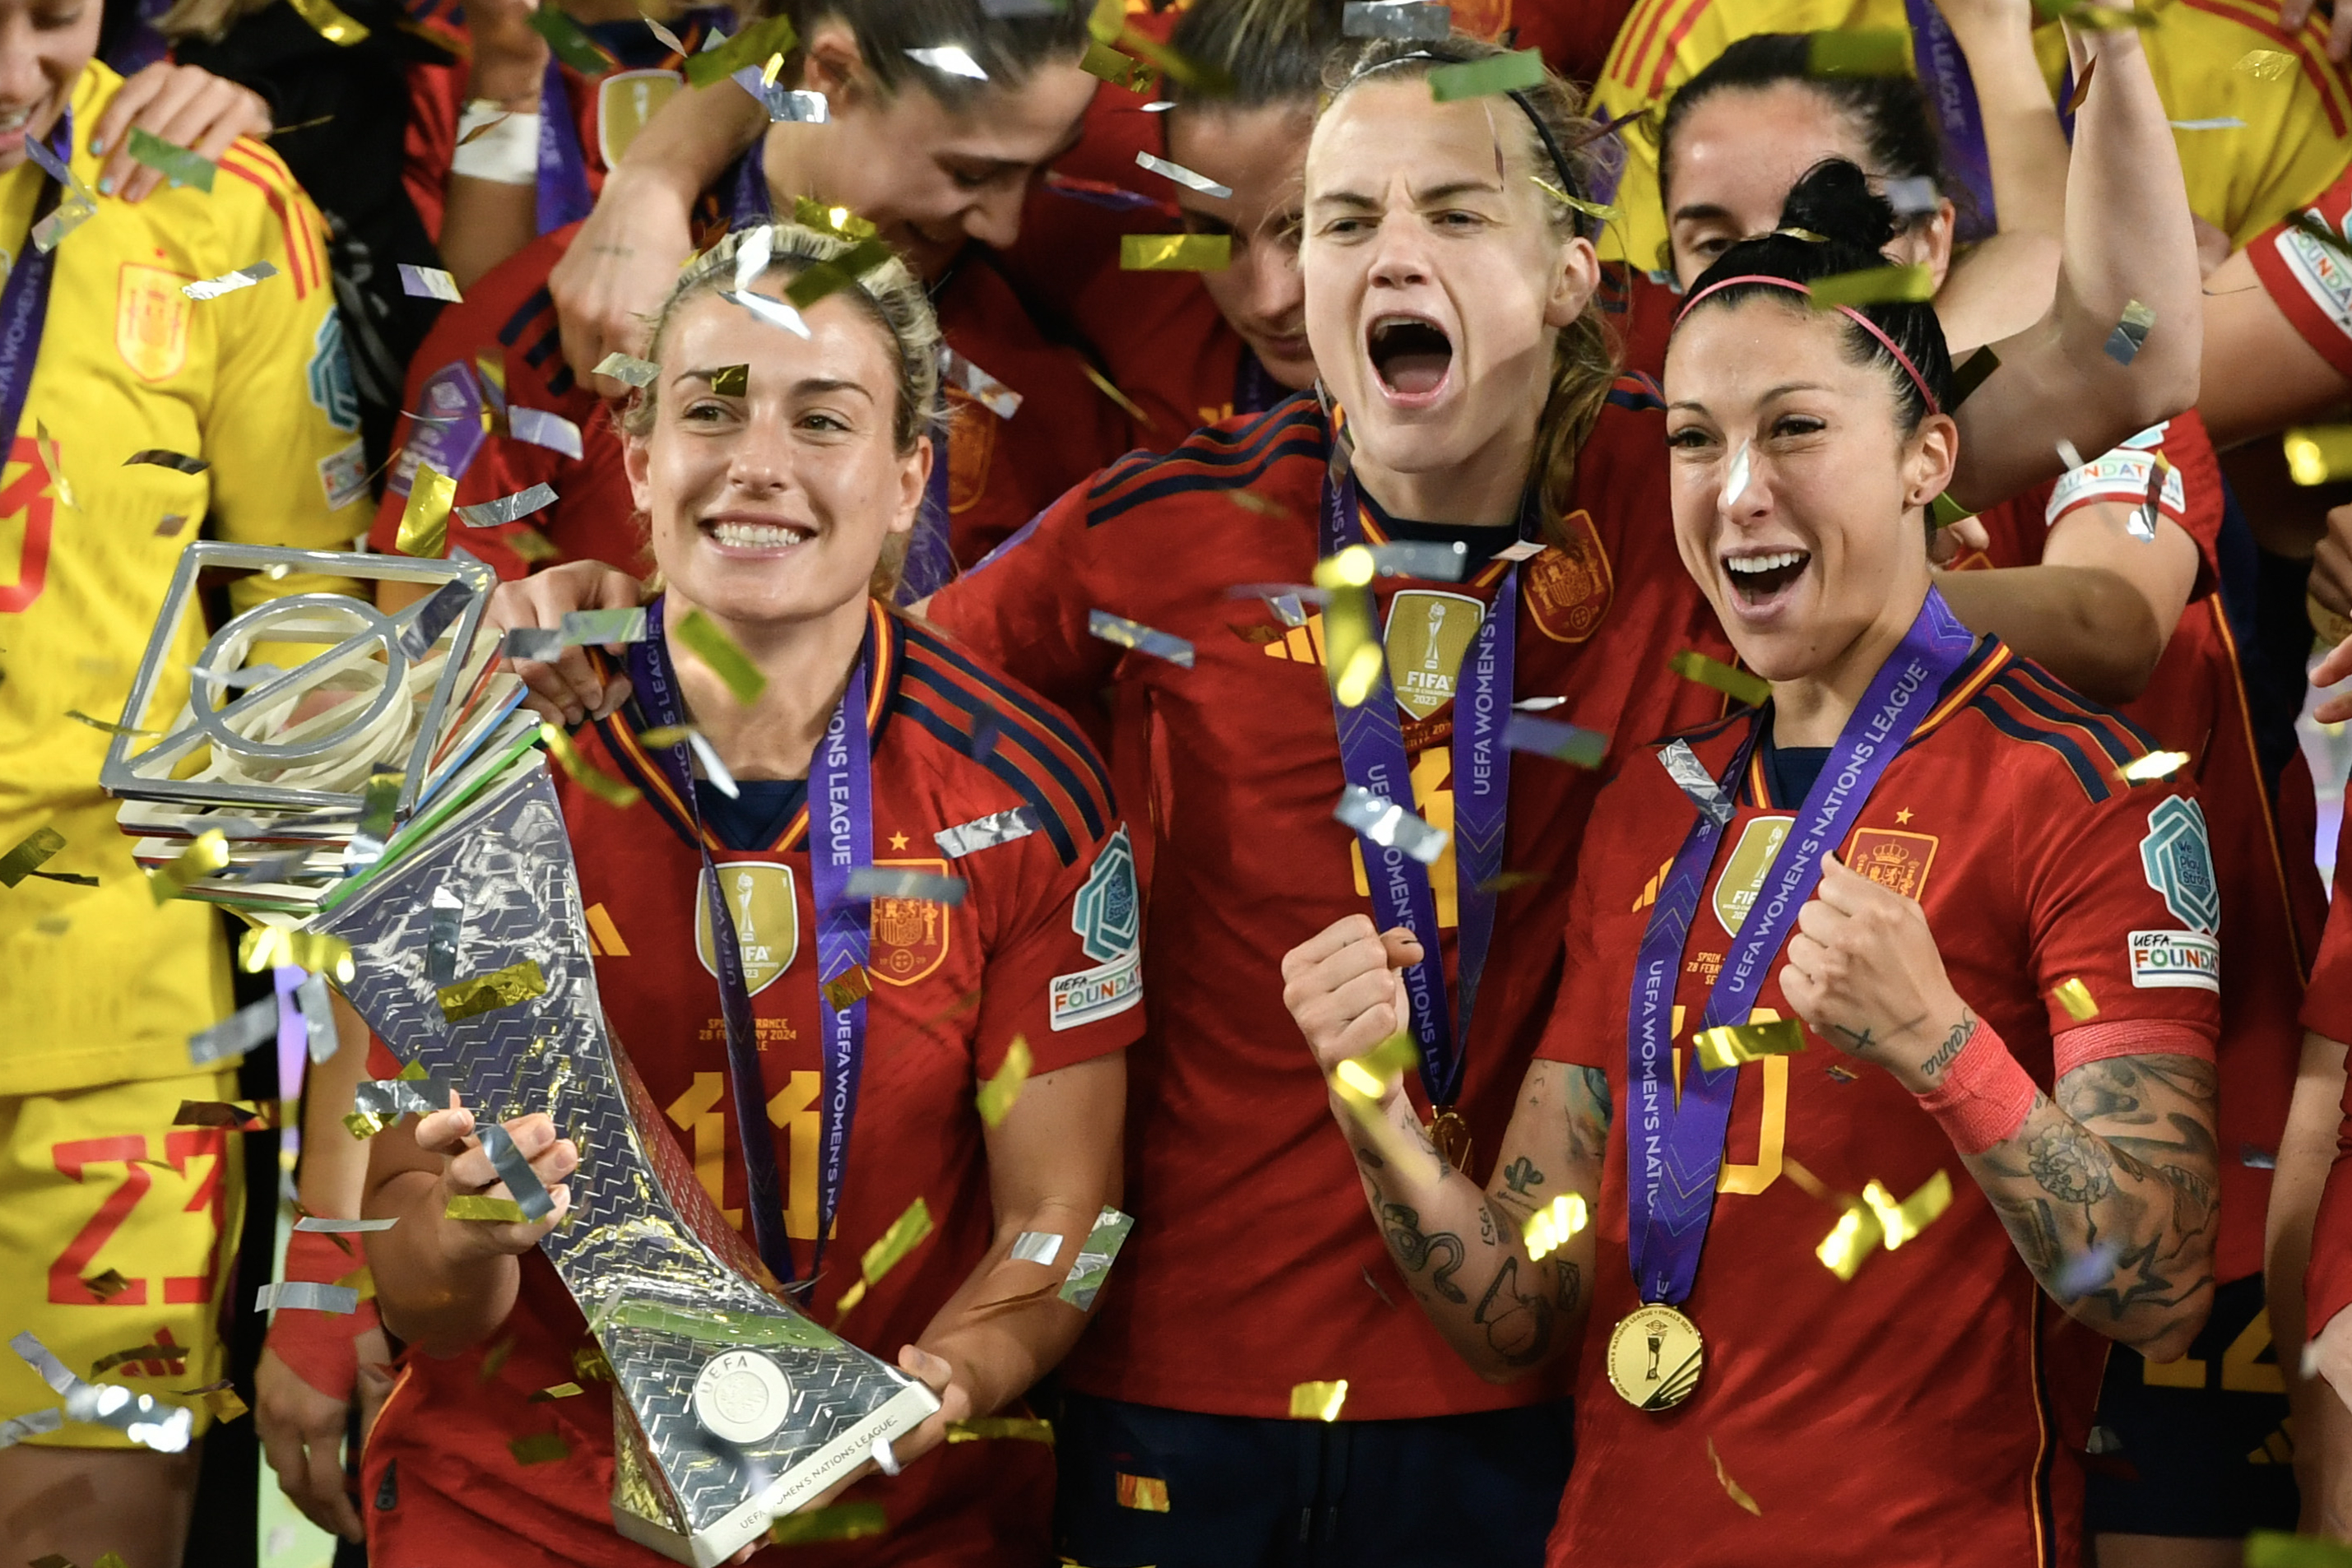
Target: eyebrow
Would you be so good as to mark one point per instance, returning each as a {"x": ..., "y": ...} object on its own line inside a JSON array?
[
  {"x": 806, "y": 386},
  {"x": 1694, "y": 406},
  {"x": 1699, "y": 212}
]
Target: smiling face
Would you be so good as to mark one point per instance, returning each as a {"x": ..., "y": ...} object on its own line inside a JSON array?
[
  {"x": 1257, "y": 152},
  {"x": 1741, "y": 151},
  {"x": 44, "y": 44},
  {"x": 1436, "y": 284},
  {"x": 929, "y": 176},
  {"x": 773, "y": 505},
  {"x": 1824, "y": 541}
]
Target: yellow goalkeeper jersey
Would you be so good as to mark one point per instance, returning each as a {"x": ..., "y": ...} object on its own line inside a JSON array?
[
  {"x": 97, "y": 984},
  {"x": 2296, "y": 136}
]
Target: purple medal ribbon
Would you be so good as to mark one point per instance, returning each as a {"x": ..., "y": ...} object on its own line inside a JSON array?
[
  {"x": 562, "y": 167},
  {"x": 840, "y": 799},
  {"x": 1673, "y": 1149},
  {"x": 930, "y": 562},
  {"x": 1952, "y": 99},
  {"x": 25, "y": 302},
  {"x": 1372, "y": 754}
]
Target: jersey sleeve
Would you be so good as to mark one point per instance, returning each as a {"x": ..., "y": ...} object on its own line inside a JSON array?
[
  {"x": 2327, "y": 1284},
  {"x": 1025, "y": 608},
  {"x": 1065, "y": 963},
  {"x": 2190, "y": 492},
  {"x": 2121, "y": 896},
  {"x": 2310, "y": 280}
]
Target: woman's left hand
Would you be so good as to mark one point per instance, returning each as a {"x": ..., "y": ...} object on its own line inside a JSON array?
[
  {"x": 1863, "y": 970},
  {"x": 185, "y": 105},
  {"x": 955, "y": 1403}
]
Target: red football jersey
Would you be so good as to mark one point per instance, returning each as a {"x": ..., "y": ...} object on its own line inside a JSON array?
[
  {"x": 1925, "y": 1387},
  {"x": 1253, "y": 1266},
  {"x": 2196, "y": 704},
  {"x": 2327, "y": 1011},
  {"x": 1001, "y": 472},
  {"x": 1043, "y": 948},
  {"x": 2309, "y": 280}
]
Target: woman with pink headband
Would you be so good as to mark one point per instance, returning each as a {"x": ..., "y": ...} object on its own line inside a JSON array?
[{"x": 1903, "y": 958}]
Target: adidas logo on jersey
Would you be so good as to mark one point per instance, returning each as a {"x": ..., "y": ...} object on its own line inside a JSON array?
[{"x": 1304, "y": 644}]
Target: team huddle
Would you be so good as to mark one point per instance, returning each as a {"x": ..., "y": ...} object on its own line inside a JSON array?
[{"x": 1383, "y": 784}]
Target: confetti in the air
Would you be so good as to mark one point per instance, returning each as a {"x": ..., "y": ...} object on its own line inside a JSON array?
[
  {"x": 156, "y": 457},
  {"x": 1550, "y": 1227},
  {"x": 1389, "y": 825},
  {"x": 1125, "y": 633},
  {"x": 1415, "y": 20},
  {"x": 1092, "y": 1265},
  {"x": 2266, "y": 65},
  {"x": 506, "y": 509},
  {"x": 508, "y": 987},
  {"x": 2316, "y": 454},
  {"x": 986, "y": 832},
  {"x": 996, "y": 1096},
  {"x": 329, "y": 22},
  {"x": 624, "y": 367},
  {"x": 2154, "y": 765},
  {"x": 1318, "y": 1401},
  {"x": 229, "y": 282},
  {"x": 1477, "y": 78},
  {"x": 952, "y": 60},
  {"x": 1731, "y": 1489},
  {"x": 905, "y": 1233},
  {"x": 1555, "y": 739},
  {"x": 1184, "y": 176},
  {"x": 848, "y": 989},
  {"x": 1862, "y": 51},
  {"x": 1729, "y": 1045},
  {"x": 905, "y": 883},
  {"x": 428, "y": 283},
  {"x": 838, "y": 1521},
  {"x": 1175, "y": 252},
  {"x": 702, "y": 637},
  {"x": 175, "y": 163},
  {"x": 2075, "y": 997},
  {"x": 751, "y": 47},
  {"x": 2131, "y": 333},
  {"x": 569, "y": 41},
  {"x": 424, "y": 518},
  {"x": 1874, "y": 286},
  {"x": 29, "y": 854},
  {"x": 1736, "y": 684},
  {"x": 983, "y": 388}
]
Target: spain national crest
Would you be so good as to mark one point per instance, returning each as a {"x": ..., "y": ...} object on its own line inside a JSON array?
[
  {"x": 151, "y": 320},
  {"x": 910, "y": 935},
  {"x": 766, "y": 910},
  {"x": 1895, "y": 861},
  {"x": 1568, "y": 586}
]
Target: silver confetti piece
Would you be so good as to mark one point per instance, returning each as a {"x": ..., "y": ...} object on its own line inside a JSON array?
[
  {"x": 1430, "y": 560},
  {"x": 1389, "y": 825},
  {"x": 985, "y": 832},
  {"x": 2131, "y": 333},
  {"x": 1536, "y": 704},
  {"x": 2254, "y": 1159},
  {"x": 2220, "y": 122},
  {"x": 1523, "y": 549},
  {"x": 712, "y": 768},
  {"x": 235, "y": 1035},
  {"x": 432, "y": 616},
  {"x": 902, "y": 882},
  {"x": 307, "y": 1295},
  {"x": 1004, "y": 8},
  {"x": 1551, "y": 738},
  {"x": 1915, "y": 197},
  {"x": 597, "y": 628},
  {"x": 428, "y": 283},
  {"x": 506, "y": 509},
  {"x": 16, "y": 1428},
  {"x": 542, "y": 429},
  {"x": 628, "y": 368},
  {"x": 775, "y": 312},
  {"x": 985, "y": 389},
  {"x": 141, "y": 1418},
  {"x": 1184, "y": 176},
  {"x": 1036, "y": 1247},
  {"x": 2069, "y": 454},
  {"x": 390, "y": 1098},
  {"x": 378, "y": 803},
  {"x": 536, "y": 643},
  {"x": 320, "y": 1225},
  {"x": 951, "y": 59},
  {"x": 515, "y": 1170},
  {"x": 2083, "y": 1275},
  {"x": 1092, "y": 1265},
  {"x": 157, "y": 457},
  {"x": 670, "y": 40},
  {"x": 1118, "y": 629},
  {"x": 318, "y": 1017},
  {"x": 229, "y": 282},
  {"x": 1735, "y": 483},
  {"x": 448, "y": 923},
  {"x": 1415, "y": 20},
  {"x": 785, "y": 105},
  {"x": 1685, "y": 768}
]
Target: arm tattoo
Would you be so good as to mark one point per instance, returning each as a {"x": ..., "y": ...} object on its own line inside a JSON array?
[
  {"x": 1935, "y": 1065},
  {"x": 1415, "y": 1252},
  {"x": 1588, "y": 1114},
  {"x": 1518, "y": 1326}
]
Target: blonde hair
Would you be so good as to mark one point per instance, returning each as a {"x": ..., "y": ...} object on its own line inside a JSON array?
[
  {"x": 1584, "y": 358},
  {"x": 888, "y": 295},
  {"x": 207, "y": 19}
]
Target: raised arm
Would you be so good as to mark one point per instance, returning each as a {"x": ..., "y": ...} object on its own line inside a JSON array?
[
  {"x": 1463, "y": 1251},
  {"x": 2001, "y": 284},
  {"x": 2127, "y": 237}
]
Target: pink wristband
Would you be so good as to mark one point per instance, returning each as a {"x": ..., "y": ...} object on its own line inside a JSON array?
[{"x": 1985, "y": 1095}]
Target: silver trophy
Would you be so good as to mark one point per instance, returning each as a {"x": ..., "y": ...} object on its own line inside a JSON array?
[{"x": 386, "y": 791}]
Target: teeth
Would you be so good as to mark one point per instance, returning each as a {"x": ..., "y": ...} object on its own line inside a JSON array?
[
  {"x": 14, "y": 122},
  {"x": 755, "y": 535},
  {"x": 1757, "y": 563}
]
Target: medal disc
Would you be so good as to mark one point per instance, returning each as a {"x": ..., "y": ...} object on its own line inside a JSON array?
[
  {"x": 1654, "y": 1357},
  {"x": 1452, "y": 1136}
]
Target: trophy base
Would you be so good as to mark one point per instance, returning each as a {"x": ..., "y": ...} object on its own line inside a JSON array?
[{"x": 746, "y": 1523}]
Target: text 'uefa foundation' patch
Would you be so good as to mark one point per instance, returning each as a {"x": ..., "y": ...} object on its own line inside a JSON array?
[{"x": 2170, "y": 959}]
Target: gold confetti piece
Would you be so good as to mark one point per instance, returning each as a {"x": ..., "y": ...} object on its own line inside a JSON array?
[
  {"x": 1971, "y": 373},
  {"x": 539, "y": 1449},
  {"x": 1103, "y": 385},
  {"x": 1258, "y": 635},
  {"x": 1874, "y": 286},
  {"x": 567, "y": 41},
  {"x": 484, "y": 128},
  {"x": 750, "y": 46},
  {"x": 842, "y": 1521},
  {"x": 1731, "y": 1489},
  {"x": 107, "y": 1285},
  {"x": 703, "y": 636},
  {"x": 842, "y": 272},
  {"x": 1593, "y": 210},
  {"x": 32, "y": 852},
  {"x": 555, "y": 1392},
  {"x": 2076, "y": 998},
  {"x": 839, "y": 222},
  {"x": 113, "y": 1359},
  {"x": 224, "y": 1404},
  {"x": 1863, "y": 51},
  {"x": 905, "y": 1233},
  {"x": 661, "y": 737},
  {"x": 1855, "y": 1235},
  {"x": 109, "y": 1559},
  {"x": 1148, "y": 1494},
  {"x": 111, "y": 728},
  {"x": 157, "y": 457},
  {"x": 203, "y": 859},
  {"x": 53, "y": 459},
  {"x": 218, "y": 1114},
  {"x": 847, "y": 989},
  {"x": 496, "y": 1357},
  {"x": 1477, "y": 78},
  {"x": 2266, "y": 65},
  {"x": 268, "y": 947},
  {"x": 613, "y": 792},
  {"x": 2277, "y": 1549},
  {"x": 329, "y": 22},
  {"x": 1120, "y": 71},
  {"x": 533, "y": 546},
  {"x": 175, "y": 163},
  {"x": 1945, "y": 511},
  {"x": 2082, "y": 87},
  {"x": 1729, "y": 1045},
  {"x": 1550, "y": 1227},
  {"x": 1175, "y": 252},
  {"x": 589, "y": 1365},
  {"x": 2153, "y": 766},
  {"x": 517, "y": 983},
  {"x": 1898, "y": 1222},
  {"x": 1017, "y": 1428},
  {"x": 425, "y": 521},
  {"x": 996, "y": 1096},
  {"x": 480, "y": 1206},
  {"x": 1736, "y": 684},
  {"x": 2316, "y": 454},
  {"x": 1317, "y": 1401},
  {"x": 732, "y": 381}
]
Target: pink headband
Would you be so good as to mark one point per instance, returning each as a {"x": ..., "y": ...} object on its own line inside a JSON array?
[{"x": 1864, "y": 323}]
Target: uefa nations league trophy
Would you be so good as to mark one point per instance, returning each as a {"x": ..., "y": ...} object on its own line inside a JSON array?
[{"x": 452, "y": 881}]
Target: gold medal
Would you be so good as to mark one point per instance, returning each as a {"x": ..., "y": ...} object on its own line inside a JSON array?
[
  {"x": 1654, "y": 1357},
  {"x": 1452, "y": 1136},
  {"x": 2332, "y": 627}
]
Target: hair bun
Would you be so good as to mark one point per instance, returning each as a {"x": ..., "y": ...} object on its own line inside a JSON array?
[{"x": 1834, "y": 200}]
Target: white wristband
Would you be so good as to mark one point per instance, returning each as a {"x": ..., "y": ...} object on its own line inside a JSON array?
[{"x": 506, "y": 154}]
